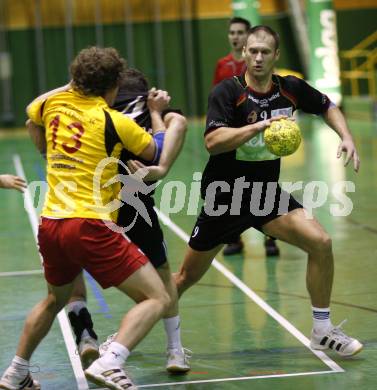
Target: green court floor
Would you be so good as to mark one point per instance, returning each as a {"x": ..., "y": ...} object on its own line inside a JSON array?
[{"x": 247, "y": 320}]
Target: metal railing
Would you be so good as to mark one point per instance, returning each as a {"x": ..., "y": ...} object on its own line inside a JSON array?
[{"x": 360, "y": 63}]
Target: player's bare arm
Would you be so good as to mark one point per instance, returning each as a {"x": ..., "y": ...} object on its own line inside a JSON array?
[
  {"x": 37, "y": 135},
  {"x": 226, "y": 139},
  {"x": 176, "y": 126},
  {"x": 158, "y": 101},
  {"x": 336, "y": 120}
]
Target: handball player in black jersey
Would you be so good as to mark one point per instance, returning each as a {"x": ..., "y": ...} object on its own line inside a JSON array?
[
  {"x": 171, "y": 124},
  {"x": 239, "y": 110}
]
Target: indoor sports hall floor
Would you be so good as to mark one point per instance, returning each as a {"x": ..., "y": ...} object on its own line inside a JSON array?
[{"x": 248, "y": 320}]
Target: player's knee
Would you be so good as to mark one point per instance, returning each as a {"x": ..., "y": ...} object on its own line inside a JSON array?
[
  {"x": 53, "y": 304},
  {"x": 323, "y": 242},
  {"x": 165, "y": 300}
]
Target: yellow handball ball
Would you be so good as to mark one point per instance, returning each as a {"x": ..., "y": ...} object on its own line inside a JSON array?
[{"x": 282, "y": 137}]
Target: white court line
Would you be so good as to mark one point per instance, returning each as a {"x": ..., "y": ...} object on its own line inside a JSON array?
[
  {"x": 255, "y": 297},
  {"x": 242, "y": 378},
  {"x": 62, "y": 316},
  {"x": 245, "y": 378},
  {"x": 22, "y": 273}
]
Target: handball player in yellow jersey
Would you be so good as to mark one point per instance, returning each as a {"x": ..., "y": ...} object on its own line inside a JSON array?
[{"x": 82, "y": 131}]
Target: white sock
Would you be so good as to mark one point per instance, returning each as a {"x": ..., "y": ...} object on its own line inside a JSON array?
[
  {"x": 76, "y": 306},
  {"x": 116, "y": 355},
  {"x": 20, "y": 365},
  {"x": 173, "y": 332},
  {"x": 321, "y": 320}
]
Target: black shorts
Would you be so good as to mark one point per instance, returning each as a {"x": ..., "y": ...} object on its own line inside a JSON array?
[
  {"x": 211, "y": 231},
  {"x": 149, "y": 239}
]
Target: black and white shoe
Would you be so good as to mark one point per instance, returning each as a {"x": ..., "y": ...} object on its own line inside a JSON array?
[
  {"x": 12, "y": 380},
  {"x": 114, "y": 378},
  {"x": 336, "y": 340}
]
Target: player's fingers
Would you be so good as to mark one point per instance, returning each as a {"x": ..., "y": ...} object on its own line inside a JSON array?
[
  {"x": 348, "y": 157},
  {"x": 277, "y": 118},
  {"x": 131, "y": 166},
  {"x": 340, "y": 149},
  {"x": 356, "y": 162},
  {"x": 21, "y": 182},
  {"x": 19, "y": 188},
  {"x": 139, "y": 164}
]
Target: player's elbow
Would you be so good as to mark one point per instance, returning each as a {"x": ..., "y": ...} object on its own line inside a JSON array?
[
  {"x": 178, "y": 120},
  {"x": 213, "y": 144},
  {"x": 181, "y": 123}
]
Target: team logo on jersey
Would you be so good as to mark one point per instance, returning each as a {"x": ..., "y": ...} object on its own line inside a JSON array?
[
  {"x": 252, "y": 117},
  {"x": 282, "y": 111}
]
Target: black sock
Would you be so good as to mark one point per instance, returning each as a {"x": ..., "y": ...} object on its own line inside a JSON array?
[{"x": 82, "y": 321}]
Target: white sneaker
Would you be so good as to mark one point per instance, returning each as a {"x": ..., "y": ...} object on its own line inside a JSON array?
[
  {"x": 336, "y": 340},
  {"x": 178, "y": 360},
  {"x": 105, "y": 345},
  {"x": 114, "y": 378},
  {"x": 12, "y": 380},
  {"x": 88, "y": 351}
]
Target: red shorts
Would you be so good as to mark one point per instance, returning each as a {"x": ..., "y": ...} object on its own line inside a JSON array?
[{"x": 69, "y": 245}]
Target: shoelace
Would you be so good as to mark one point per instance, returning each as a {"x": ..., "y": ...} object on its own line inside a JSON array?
[
  {"x": 34, "y": 366},
  {"x": 340, "y": 335},
  {"x": 188, "y": 354}
]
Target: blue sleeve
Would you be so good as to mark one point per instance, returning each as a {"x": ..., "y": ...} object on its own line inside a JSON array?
[{"x": 159, "y": 141}]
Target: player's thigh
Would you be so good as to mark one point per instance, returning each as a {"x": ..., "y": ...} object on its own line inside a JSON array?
[
  {"x": 59, "y": 295},
  {"x": 143, "y": 284},
  {"x": 296, "y": 229},
  {"x": 79, "y": 289},
  {"x": 164, "y": 272}
]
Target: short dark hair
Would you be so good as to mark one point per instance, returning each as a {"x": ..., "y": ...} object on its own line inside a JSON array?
[
  {"x": 268, "y": 30},
  {"x": 134, "y": 81},
  {"x": 96, "y": 70},
  {"x": 243, "y": 21}
]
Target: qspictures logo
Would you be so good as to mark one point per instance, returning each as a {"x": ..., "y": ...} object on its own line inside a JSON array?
[{"x": 219, "y": 197}]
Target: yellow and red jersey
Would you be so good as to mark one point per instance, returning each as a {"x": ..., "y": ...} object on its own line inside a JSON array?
[{"x": 81, "y": 132}]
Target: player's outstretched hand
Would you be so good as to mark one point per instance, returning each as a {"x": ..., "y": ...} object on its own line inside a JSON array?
[
  {"x": 347, "y": 145},
  {"x": 158, "y": 100},
  {"x": 12, "y": 182},
  {"x": 153, "y": 172}
]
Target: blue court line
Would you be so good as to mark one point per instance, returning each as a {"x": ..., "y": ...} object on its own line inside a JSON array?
[
  {"x": 105, "y": 309},
  {"x": 101, "y": 301}
]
